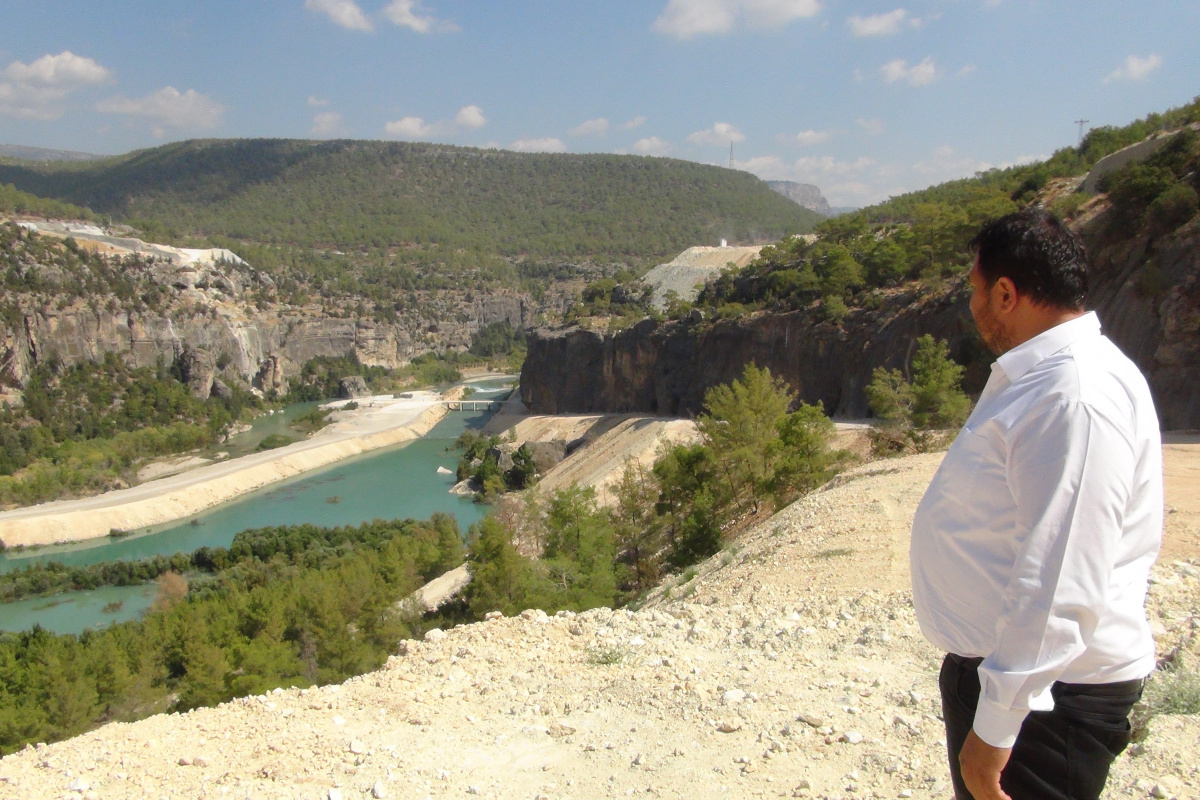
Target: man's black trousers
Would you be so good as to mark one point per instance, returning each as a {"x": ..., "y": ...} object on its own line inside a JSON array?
[{"x": 1062, "y": 754}]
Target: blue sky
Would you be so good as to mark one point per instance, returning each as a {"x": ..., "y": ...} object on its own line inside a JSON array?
[{"x": 864, "y": 99}]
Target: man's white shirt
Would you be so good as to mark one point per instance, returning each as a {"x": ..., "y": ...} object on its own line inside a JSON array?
[{"x": 1032, "y": 546}]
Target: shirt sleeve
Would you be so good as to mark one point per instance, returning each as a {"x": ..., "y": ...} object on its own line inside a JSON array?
[{"x": 1070, "y": 472}]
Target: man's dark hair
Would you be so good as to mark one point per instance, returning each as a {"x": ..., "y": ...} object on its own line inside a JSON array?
[{"x": 1043, "y": 258}]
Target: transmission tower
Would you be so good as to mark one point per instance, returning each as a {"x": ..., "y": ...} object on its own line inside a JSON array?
[
  {"x": 731, "y": 155},
  {"x": 1081, "y": 123}
]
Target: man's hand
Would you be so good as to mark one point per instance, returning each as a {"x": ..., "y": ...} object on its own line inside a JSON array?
[{"x": 981, "y": 767}]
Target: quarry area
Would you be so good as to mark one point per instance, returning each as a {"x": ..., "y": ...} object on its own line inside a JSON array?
[
  {"x": 691, "y": 269},
  {"x": 788, "y": 665}
]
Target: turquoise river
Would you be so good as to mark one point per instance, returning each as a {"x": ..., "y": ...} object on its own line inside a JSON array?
[{"x": 395, "y": 482}]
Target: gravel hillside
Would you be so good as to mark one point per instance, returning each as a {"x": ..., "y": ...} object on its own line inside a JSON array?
[{"x": 789, "y": 665}]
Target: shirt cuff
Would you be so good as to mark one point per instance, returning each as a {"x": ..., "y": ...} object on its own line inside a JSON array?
[{"x": 996, "y": 725}]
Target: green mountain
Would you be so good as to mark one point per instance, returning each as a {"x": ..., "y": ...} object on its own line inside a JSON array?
[{"x": 385, "y": 195}]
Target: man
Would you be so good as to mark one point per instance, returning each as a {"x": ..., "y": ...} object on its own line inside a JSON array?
[{"x": 1031, "y": 549}]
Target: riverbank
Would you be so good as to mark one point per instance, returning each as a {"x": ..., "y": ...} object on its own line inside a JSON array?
[{"x": 378, "y": 422}]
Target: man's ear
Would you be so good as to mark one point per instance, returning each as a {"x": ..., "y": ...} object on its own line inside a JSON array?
[{"x": 1004, "y": 295}]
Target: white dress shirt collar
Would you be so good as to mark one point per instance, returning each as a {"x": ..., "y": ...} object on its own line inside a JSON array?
[{"x": 1027, "y": 355}]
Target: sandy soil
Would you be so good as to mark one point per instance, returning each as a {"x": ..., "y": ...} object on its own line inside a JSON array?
[
  {"x": 378, "y": 422},
  {"x": 789, "y": 665},
  {"x": 1181, "y": 468}
]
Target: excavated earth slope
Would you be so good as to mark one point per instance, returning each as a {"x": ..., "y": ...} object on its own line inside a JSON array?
[{"x": 789, "y": 665}]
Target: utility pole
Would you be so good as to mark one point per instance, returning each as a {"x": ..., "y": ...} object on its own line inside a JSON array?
[
  {"x": 1081, "y": 123},
  {"x": 731, "y": 154}
]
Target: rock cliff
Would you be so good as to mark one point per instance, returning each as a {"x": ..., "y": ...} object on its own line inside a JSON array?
[
  {"x": 805, "y": 194},
  {"x": 213, "y": 323},
  {"x": 1144, "y": 287},
  {"x": 665, "y": 368}
]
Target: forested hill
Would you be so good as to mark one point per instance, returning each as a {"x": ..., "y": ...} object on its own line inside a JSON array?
[{"x": 366, "y": 194}]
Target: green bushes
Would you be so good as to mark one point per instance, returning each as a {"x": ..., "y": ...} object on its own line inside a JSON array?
[
  {"x": 320, "y": 377},
  {"x": 1156, "y": 191},
  {"x": 276, "y": 440},
  {"x": 497, "y": 339},
  {"x": 754, "y": 455},
  {"x": 915, "y": 413},
  {"x": 479, "y": 462},
  {"x": 312, "y": 421},
  {"x": 289, "y": 606},
  {"x": 85, "y": 428}
]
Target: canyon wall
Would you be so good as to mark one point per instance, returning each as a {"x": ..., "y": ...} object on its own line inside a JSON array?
[
  {"x": 264, "y": 346},
  {"x": 1145, "y": 289},
  {"x": 665, "y": 368}
]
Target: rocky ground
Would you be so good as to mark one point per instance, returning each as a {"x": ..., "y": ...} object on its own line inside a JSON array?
[{"x": 789, "y": 665}]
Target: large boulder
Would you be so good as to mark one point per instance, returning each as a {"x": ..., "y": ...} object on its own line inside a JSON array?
[
  {"x": 199, "y": 369},
  {"x": 270, "y": 375},
  {"x": 546, "y": 455},
  {"x": 503, "y": 453},
  {"x": 353, "y": 386}
]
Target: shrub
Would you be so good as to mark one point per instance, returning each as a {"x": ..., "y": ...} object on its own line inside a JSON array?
[
  {"x": 914, "y": 412},
  {"x": 1066, "y": 205},
  {"x": 1173, "y": 207},
  {"x": 275, "y": 440}
]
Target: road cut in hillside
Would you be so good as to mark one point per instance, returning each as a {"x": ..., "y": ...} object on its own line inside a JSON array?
[
  {"x": 377, "y": 423},
  {"x": 789, "y": 665},
  {"x": 604, "y": 444}
]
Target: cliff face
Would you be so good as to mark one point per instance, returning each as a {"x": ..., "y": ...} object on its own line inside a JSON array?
[
  {"x": 666, "y": 368},
  {"x": 1146, "y": 290},
  {"x": 265, "y": 346},
  {"x": 805, "y": 194}
]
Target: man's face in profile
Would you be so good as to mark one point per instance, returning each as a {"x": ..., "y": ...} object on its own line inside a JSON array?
[{"x": 991, "y": 330}]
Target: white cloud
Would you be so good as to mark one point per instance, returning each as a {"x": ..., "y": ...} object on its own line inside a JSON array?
[
  {"x": 651, "y": 146},
  {"x": 343, "y": 12},
  {"x": 945, "y": 164},
  {"x": 409, "y": 14},
  {"x": 327, "y": 124},
  {"x": 636, "y": 122},
  {"x": 862, "y": 181},
  {"x": 470, "y": 117},
  {"x": 410, "y": 128},
  {"x": 966, "y": 70},
  {"x": 841, "y": 182},
  {"x": 811, "y": 137},
  {"x": 544, "y": 145},
  {"x": 1135, "y": 68},
  {"x": 593, "y": 127},
  {"x": 36, "y": 90},
  {"x": 719, "y": 135},
  {"x": 872, "y": 127},
  {"x": 888, "y": 24},
  {"x": 684, "y": 19},
  {"x": 317, "y": 102},
  {"x": 64, "y": 71},
  {"x": 830, "y": 166},
  {"x": 168, "y": 108},
  {"x": 916, "y": 75}
]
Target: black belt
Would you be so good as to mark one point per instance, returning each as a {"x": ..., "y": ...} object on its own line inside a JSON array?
[{"x": 1117, "y": 689}]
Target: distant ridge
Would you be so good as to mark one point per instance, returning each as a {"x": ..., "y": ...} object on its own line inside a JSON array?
[
  {"x": 374, "y": 195},
  {"x": 805, "y": 194},
  {"x": 22, "y": 153}
]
